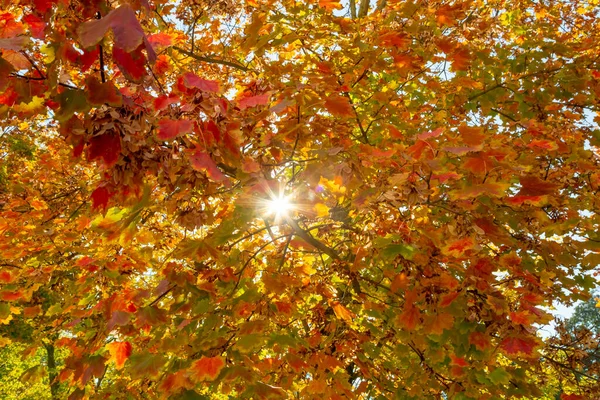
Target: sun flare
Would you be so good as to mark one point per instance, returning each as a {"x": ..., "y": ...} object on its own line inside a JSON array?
[{"x": 279, "y": 206}]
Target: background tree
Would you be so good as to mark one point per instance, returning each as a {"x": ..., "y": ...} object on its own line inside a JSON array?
[{"x": 276, "y": 199}]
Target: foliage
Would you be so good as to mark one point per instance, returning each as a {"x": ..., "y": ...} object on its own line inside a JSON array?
[
  {"x": 586, "y": 316},
  {"x": 440, "y": 160},
  {"x": 22, "y": 378}
]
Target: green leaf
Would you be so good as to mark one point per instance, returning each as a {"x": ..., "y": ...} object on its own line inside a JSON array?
[
  {"x": 499, "y": 376},
  {"x": 394, "y": 250}
]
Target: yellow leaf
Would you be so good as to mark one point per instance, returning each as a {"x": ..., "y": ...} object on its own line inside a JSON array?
[
  {"x": 48, "y": 52},
  {"x": 321, "y": 209},
  {"x": 35, "y": 104}
]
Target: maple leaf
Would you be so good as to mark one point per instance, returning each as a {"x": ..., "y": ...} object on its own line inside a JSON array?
[
  {"x": 107, "y": 147},
  {"x": 518, "y": 345},
  {"x": 160, "y": 40},
  {"x": 458, "y": 247},
  {"x": 534, "y": 186},
  {"x": 439, "y": 323},
  {"x": 566, "y": 396},
  {"x": 163, "y": 101},
  {"x": 447, "y": 299},
  {"x": 339, "y": 106},
  {"x": 101, "y": 93},
  {"x": 207, "y": 368},
  {"x": 170, "y": 129},
  {"x": 192, "y": 80},
  {"x": 119, "y": 352},
  {"x": 330, "y": 5},
  {"x": 253, "y": 101},
  {"x": 131, "y": 64},
  {"x": 410, "y": 317},
  {"x": 342, "y": 312},
  {"x": 14, "y": 43},
  {"x": 100, "y": 198},
  {"x": 127, "y": 30},
  {"x": 201, "y": 161},
  {"x": 480, "y": 340},
  {"x": 36, "y": 25}
]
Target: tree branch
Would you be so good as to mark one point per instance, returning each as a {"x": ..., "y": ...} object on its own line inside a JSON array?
[{"x": 211, "y": 60}]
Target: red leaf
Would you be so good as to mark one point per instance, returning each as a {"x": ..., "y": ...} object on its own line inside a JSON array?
[
  {"x": 201, "y": 161},
  {"x": 36, "y": 25},
  {"x": 119, "y": 352},
  {"x": 107, "y": 147},
  {"x": 193, "y": 81},
  {"x": 5, "y": 277},
  {"x": 565, "y": 396},
  {"x": 207, "y": 368},
  {"x": 520, "y": 200},
  {"x": 9, "y": 97},
  {"x": 162, "y": 102},
  {"x": 127, "y": 30},
  {"x": 339, "y": 106},
  {"x": 534, "y": 186},
  {"x": 88, "y": 58},
  {"x": 130, "y": 64},
  {"x": 458, "y": 361},
  {"x": 516, "y": 345},
  {"x": 480, "y": 340},
  {"x": 169, "y": 129},
  {"x": 42, "y": 6},
  {"x": 100, "y": 198},
  {"x": 253, "y": 101},
  {"x": 11, "y": 295}
]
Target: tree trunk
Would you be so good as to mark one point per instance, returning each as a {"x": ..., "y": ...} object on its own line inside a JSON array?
[{"x": 52, "y": 374}]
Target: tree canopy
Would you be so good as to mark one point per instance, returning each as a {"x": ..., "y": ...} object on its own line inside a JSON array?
[{"x": 299, "y": 198}]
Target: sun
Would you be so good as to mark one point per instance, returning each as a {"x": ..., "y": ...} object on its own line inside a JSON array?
[{"x": 279, "y": 206}]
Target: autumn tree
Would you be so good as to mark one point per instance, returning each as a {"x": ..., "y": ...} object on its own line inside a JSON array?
[{"x": 298, "y": 199}]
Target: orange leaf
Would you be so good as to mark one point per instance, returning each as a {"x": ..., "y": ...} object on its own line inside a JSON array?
[
  {"x": 342, "y": 312},
  {"x": 459, "y": 247},
  {"x": 447, "y": 299},
  {"x": 330, "y": 5},
  {"x": 207, "y": 368},
  {"x": 479, "y": 165},
  {"x": 440, "y": 322},
  {"x": 410, "y": 317},
  {"x": 471, "y": 135},
  {"x": 339, "y": 106},
  {"x": 521, "y": 317},
  {"x": 119, "y": 352}
]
